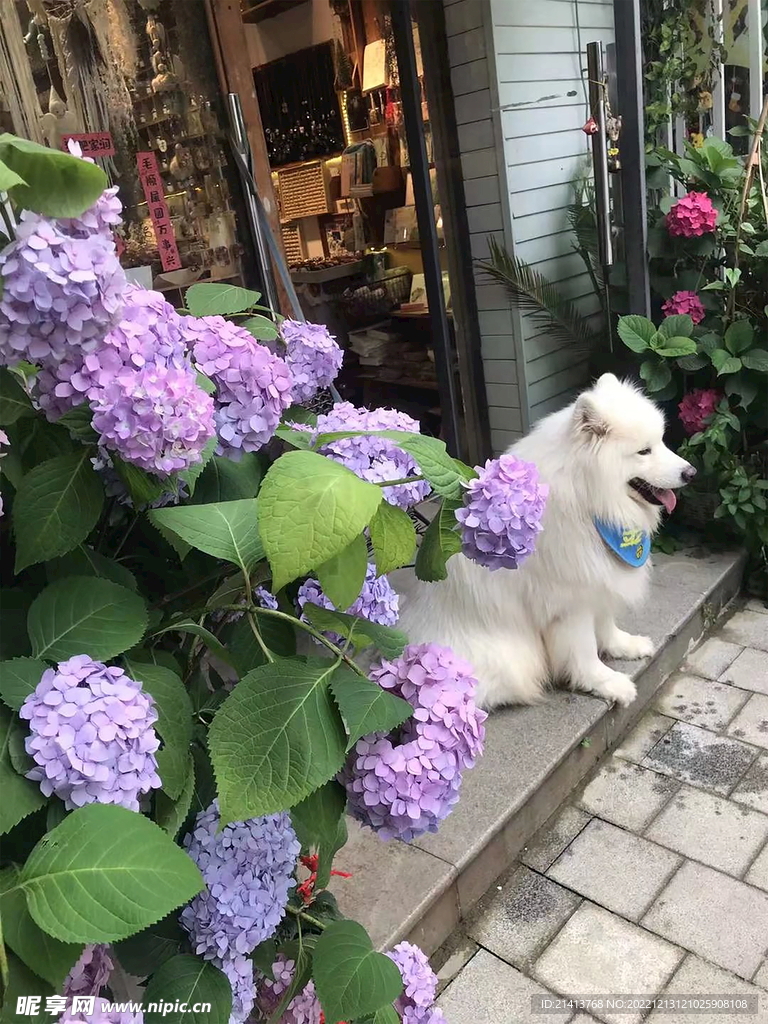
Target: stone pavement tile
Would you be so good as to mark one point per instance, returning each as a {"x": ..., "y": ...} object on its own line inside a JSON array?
[
  {"x": 712, "y": 658},
  {"x": 597, "y": 953},
  {"x": 489, "y": 991},
  {"x": 582, "y": 1018},
  {"x": 751, "y": 723},
  {"x": 700, "y": 757},
  {"x": 550, "y": 841},
  {"x": 753, "y": 788},
  {"x": 523, "y": 917},
  {"x": 615, "y": 868},
  {"x": 753, "y": 605},
  {"x": 758, "y": 872},
  {"x": 696, "y": 977},
  {"x": 718, "y": 917},
  {"x": 461, "y": 952},
  {"x": 749, "y": 671},
  {"x": 750, "y": 629},
  {"x": 626, "y": 794},
  {"x": 761, "y": 976},
  {"x": 705, "y": 827},
  {"x": 646, "y": 734},
  {"x": 699, "y": 701}
]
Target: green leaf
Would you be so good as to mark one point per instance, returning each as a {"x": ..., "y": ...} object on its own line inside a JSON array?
[
  {"x": 295, "y": 438},
  {"x": 676, "y": 347},
  {"x": 343, "y": 575},
  {"x": 20, "y": 759},
  {"x": 23, "y": 982},
  {"x": 143, "y": 953},
  {"x": 14, "y": 401},
  {"x": 184, "y": 625},
  {"x": 78, "y": 423},
  {"x": 190, "y": 476},
  {"x": 678, "y": 326},
  {"x": 656, "y": 374},
  {"x": 386, "y": 1015},
  {"x": 739, "y": 336},
  {"x": 301, "y": 954},
  {"x": 205, "y": 783},
  {"x": 310, "y": 508},
  {"x": 319, "y": 824},
  {"x": 180, "y": 546},
  {"x": 18, "y": 678},
  {"x": 261, "y": 328},
  {"x": 244, "y": 649},
  {"x": 189, "y": 980},
  {"x": 264, "y": 956},
  {"x": 205, "y": 383},
  {"x": 445, "y": 474},
  {"x": 84, "y": 613},
  {"x": 636, "y": 332},
  {"x": 170, "y": 814},
  {"x": 762, "y": 249},
  {"x": 390, "y": 642},
  {"x": 714, "y": 286},
  {"x": 57, "y": 505},
  {"x": 104, "y": 873},
  {"x": 174, "y": 722},
  {"x": 218, "y": 299},
  {"x": 225, "y": 480},
  {"x": 14, "y": 608},
  {"x": 84, "y": 561},
  {"x": 393, "y": 536},
  {"x": 47, "y": 957},
  {"x": 724, "y": 362},
  {"x": 757, "y": 359},
  {"x": 227, "y": 529},
  {"x": 365, "y": 706},
  {"x": 20, "y": 796},
  {"x": 142, "y": 486},
  {"x": 276, "y": 738},
  {"x": 692, "y": 363},
  {"x": 8, "y": 178},
  {"x": 351, "y": 978},
  {"x": 441, "y": 540},
  {"x": 56, "y": 184}
]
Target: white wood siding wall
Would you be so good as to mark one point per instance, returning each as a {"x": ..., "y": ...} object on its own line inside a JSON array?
[{"x": 516, "y": 73}]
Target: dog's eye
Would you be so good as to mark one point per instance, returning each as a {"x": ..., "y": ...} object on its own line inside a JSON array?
[{"x": 644, "y": 451}]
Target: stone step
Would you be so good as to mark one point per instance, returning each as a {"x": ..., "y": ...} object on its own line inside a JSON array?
[{"x": 534, "y": 757}]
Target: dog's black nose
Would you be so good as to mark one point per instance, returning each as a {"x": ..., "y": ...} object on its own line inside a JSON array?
[{"x": 688, "y": 474}]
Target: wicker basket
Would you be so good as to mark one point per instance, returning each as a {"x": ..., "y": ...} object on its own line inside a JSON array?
[
  {"x": 697, "y": 508},
  {"x": 380, "y": 295}
]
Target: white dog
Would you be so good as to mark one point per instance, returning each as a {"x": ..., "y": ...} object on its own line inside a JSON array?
[{"x": 607, "y": 466}]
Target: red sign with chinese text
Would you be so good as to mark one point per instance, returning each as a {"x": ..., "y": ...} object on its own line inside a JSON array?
[
  {"x": 91, "y": 143},
  {"x": 152, "y": 183}
]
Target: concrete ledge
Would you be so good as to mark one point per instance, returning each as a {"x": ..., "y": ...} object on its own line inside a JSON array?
[{"x": 534, "y": 758}]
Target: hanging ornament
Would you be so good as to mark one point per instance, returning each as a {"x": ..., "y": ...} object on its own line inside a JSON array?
[{"x": 590, "y": 127}]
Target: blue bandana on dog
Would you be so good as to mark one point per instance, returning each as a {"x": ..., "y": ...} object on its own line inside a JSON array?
[{"x": 631, "y": 546}]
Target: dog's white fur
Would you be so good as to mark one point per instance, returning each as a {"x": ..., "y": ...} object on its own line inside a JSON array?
[{"x": 552, "y": 617}]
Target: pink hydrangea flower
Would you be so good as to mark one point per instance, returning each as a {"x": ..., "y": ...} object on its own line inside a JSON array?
[
  {"x": 691, "y": 216},
  {"x": 696, "y": 408},
  {"x": 684, "y": 302}
]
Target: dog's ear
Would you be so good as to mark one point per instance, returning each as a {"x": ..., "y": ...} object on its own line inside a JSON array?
[
  {"x": 587, "y": 418},
  {"x": 606, "y": 380}
]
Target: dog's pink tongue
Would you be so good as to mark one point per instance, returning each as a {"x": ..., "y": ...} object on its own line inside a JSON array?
[{"x": 667, "y": 497}]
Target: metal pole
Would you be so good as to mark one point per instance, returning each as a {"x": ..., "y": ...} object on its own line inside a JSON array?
[
  {"x": 244, "y": 161},
  {"x": 629, "y": 81},
  {"x": 756, "y": 49},
  {"x": 410, "y": 97},
  {"x": 600, "y": 154},
  {"x": 718, "y": 93}
]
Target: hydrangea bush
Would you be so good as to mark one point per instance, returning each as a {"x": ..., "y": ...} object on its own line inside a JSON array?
[{"x": 170, "y": 533}]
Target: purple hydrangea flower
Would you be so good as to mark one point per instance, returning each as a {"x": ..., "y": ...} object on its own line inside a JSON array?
[
  {"x": 313, "y": 356},
  {"x": 248, "y": 871},
  {"x": 265, "y": 598},
  {"x": 374, "y": 458},
  {"x": 303, "y": 1009},
  {"x": 59, "y": 293},
  {"x": 501, "y": 517},
  {"x": 404, "y": 784},
  {"x": 239, "y": 971},
  {"x": 377, "y": 602},
  {"x": 148, "y": 333},
  {"x": 91, "y": 735},
  {"x": 156, "y": 417},
  {"x": 101, "y": 218},
  {"x": 253, "y": 386},
  {"x": 91, "y": 972},
  {"x": 102, "y": 1014},
  {"x": 419, "y": 981}
]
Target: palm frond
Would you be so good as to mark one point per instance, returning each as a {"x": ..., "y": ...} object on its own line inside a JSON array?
[
  {"x": 582, "y": 220},
  {"x": 539, "y": 299}
]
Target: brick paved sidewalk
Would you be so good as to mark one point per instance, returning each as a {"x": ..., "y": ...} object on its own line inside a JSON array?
[{"x": 654, "y": 878}]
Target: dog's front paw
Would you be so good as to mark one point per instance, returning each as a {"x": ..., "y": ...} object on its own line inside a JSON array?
[
  {"x": 630, "y": 648},
  {"x": 615, "y": 686}
]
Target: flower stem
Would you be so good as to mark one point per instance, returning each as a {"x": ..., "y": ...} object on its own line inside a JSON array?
[
  {"x": 259, "y": 639},
  {"x": 302, "y": 915},
  {"x": 3, "y": 959}
]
